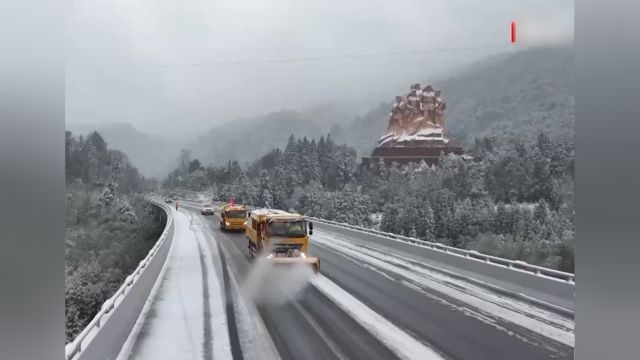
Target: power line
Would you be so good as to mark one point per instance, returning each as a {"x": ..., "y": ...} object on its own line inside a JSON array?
[{"x": 339, "y": 57}]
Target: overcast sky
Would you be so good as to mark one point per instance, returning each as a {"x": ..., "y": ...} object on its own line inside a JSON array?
[{"x": 178, "y": 67}]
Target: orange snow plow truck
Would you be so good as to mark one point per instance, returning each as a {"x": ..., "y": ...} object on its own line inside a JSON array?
[
  {"x": 281, "y": 237},
  {"x": 232, "y": 217}
]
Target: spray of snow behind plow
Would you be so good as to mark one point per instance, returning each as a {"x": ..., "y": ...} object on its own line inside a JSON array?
[{"x": 275, "y": 284}]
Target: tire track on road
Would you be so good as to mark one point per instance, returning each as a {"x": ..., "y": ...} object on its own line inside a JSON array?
[
  {"x": 234, "y": 338},
  {"x": 207, "y": 339},
  {"x": 301, "y": 328},
  {"x": 217, "y": 257}
]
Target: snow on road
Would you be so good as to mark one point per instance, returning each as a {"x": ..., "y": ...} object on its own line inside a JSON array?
[
  {"x": 188, "y": 319},
  {"x": 255, "y": 341},
  {"x": 484, "y": 304},
  {"x": 217, "y": 303},
  {"x": 174, "y": 326},
  {"x": 396, "y": 339}
]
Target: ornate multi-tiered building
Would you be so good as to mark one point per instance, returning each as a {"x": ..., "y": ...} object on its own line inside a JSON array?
[{"x": 416, "y": 130}]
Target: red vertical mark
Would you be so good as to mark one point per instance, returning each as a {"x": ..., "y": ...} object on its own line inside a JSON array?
[
  {"x": 233, "y": 201},
  {"x": 513, "y": 32}
]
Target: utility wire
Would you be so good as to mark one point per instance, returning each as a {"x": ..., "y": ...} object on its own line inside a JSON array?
[{"x": 339, "y": 57}]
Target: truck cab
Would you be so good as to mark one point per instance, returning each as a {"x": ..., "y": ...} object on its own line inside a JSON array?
[
  {"x": 232, "y": 217},
  {"x": 280, "y": 236}
]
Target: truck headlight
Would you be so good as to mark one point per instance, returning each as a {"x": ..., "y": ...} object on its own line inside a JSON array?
[{"x": 227, "y": 223}]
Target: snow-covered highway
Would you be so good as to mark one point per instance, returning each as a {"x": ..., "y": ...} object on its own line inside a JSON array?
[{"x": 368, "y": 302}]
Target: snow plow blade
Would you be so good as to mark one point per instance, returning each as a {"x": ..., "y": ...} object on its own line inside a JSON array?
[{"x": 314, "y": 262}]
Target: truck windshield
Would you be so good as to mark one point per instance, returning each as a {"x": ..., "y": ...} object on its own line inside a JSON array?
[
  {"x": 287, "y": 228},
  {"x": 236, "y": 214}
]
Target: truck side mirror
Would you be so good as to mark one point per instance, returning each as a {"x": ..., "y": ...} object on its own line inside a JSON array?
[{"x": 310, "y": 228}]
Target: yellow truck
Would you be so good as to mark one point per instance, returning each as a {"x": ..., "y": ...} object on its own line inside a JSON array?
[
  {"x": 281, "y": 237},
  {"x": 232, "y": 217}
]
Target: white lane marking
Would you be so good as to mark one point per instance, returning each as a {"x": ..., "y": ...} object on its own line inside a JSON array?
[
  {"x": 425, "y": 278},
  {"x": 219, "y": 326},
  {"x": 396, "y": 339},
  {"x": 323, "y": 335}
]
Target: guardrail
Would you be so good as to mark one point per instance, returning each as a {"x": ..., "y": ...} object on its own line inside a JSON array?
[
  {"x": 470, "y": 254},
  {"x": 120, "y": 326}
]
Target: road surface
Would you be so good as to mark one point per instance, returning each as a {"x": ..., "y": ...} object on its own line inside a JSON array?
[{"x": 368, "y": 303}]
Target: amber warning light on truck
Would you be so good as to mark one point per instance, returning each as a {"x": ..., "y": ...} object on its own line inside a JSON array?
[
  {"x": 513, "y": 32},
  {"x": 540, "y": 32}
]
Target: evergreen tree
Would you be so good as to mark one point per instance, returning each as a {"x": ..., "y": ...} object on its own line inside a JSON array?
[
  {"x": 310, "y": 166},
  {"x": 267, "y": 199},
  {"x": 429, "y": 224},
  {"x": 389, "y": 221},
  {"x": 530, "y": 180},
  {"x": 89, "y": 159},
  {"x": 476, "y": 180},
  {"x": 442, "y": 202},
  {"x": 541, "y": 212},
  {"x": 544, "y": 145},
  {"x": 97, "y": 141},
  {"x": 541, "y": 181},
  {"x": 109, "y": 227},
  {"x": 345, "y": 167},
  {"x": 409, "y": 216},
  {"x": 194, "y": 165},
  {"x": 511, "y": 179},
  {"x": 463, "y": 219},
  {"x": 502, "y": 223}
]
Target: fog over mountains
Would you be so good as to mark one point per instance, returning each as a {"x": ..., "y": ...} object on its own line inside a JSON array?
[
  {"x": 518, "y": 94},
  {"x": 176, "y": 68},
  {"x": 243, "y": 139},
  {"x": 512, "y": 94}
]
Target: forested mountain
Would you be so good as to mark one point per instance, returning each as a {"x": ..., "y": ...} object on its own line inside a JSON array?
[
  {"x": 109, "y": 227},
  {"x": 521, "y": 95},
  {"x": 242, "y": 139},
  {"x": 152, "y": 155},
  {"x": 516, "y": 202},
  {"x": 246, "y": 139},
  {"x": 518, "y": 94},
  {"x": 513, "y": 198},
  {"x": 508, "y": 95}
]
